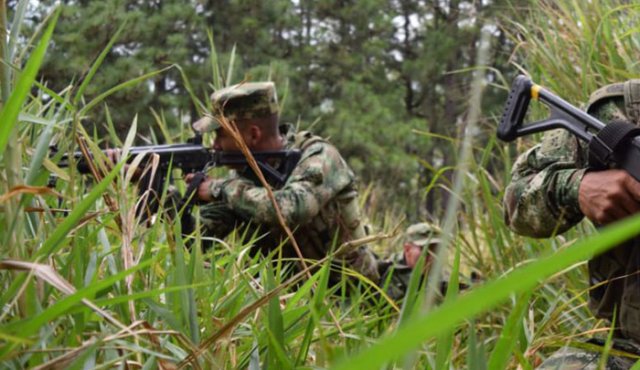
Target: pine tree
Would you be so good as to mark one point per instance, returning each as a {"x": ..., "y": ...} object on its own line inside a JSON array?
[{"x": 157, "y": 34}]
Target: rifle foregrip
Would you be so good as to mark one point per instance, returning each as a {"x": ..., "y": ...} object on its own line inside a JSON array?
[{"x": 515, "y": 108}]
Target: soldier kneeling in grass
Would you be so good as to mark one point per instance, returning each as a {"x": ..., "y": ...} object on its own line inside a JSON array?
[{"x": 318, "y": 201}]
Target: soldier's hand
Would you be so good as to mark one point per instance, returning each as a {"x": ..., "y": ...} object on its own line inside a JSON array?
[
  {"x": 113, "y": 155},
  {"x": 203, "y": 193},
  {"x": 608, "y": 196}
]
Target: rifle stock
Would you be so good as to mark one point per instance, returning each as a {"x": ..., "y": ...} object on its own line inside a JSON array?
[{"x": 622, "y": 152}]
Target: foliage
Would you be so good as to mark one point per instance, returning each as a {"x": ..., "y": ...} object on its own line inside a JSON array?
[
  {"x": 596, "y": 49},
  {"x": 156, "y": 35},
  {"x": 87, "y": 285}
]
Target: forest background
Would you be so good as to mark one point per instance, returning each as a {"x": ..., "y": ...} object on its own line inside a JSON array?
[
  {"x": 364, "y": 73},
  {"x": 409, "y": 91}
]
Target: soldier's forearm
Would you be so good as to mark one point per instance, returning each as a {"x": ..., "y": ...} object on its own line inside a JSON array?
[{"x": 544, "y": 203}]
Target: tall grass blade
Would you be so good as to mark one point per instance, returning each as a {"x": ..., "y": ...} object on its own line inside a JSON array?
[
  {"x": 10, "y": 147},
  {"x": 16, "y": 26},
  {"x": 5, "y": 68},
  {"x": 86, "y": 359},
  {"x": 445, "y": 341},
  {"x": 194, "y": 263},
  {"x": 509, "y": 336},
  {"x": 230, "y": 71},
  {"x": 413, "y": 293},
  {"x": 30, "y": 326},
  {"x": 254, "y": 361},
  {"x": 54, "y": 242},
  {"x": 185, "y": 304},
  {"x": 305, "y": 343},
  {"x": 74, "y": 359},
  {"x": 608, "y": 343},
  {"x": 475, "y": 350},
  {"x": 41, "y": 150},
  {"x": 275, "y": 326},
  {"x": 215, "y": 67},
  {"x": 111, "y": 128},
  {"x": 189, "y": 88},
  {"x": 9, "y": 113},
  {"x": 55, "y": 98},
  {"x": 13, "y": 339},
  {"x": 277, "y": 354}
]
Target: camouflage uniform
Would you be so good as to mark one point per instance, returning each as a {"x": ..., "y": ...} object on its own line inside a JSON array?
[
  {"x": 319, "y": 201},
  {"x": 542, "y": 200}
]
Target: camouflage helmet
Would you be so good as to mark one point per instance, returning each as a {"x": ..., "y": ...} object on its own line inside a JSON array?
[
  {"x": 422, "y": 234},
  {"x": 242, "y": 101},
  {"x": 618, "y": 101}
]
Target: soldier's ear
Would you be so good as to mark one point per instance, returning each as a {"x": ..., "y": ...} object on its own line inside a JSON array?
[{"x": 254, "y": 135}]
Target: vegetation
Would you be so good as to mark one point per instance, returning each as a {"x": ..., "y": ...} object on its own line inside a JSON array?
[{"x": 87, "y": 284}]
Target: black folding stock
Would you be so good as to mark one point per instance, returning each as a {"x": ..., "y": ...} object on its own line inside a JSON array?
[{"x": 612, "y": 145}]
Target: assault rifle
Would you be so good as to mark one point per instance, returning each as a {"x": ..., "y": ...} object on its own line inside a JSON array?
[
  {"x": 615, "y": 144},
  {"x": 192, "y": 157}
]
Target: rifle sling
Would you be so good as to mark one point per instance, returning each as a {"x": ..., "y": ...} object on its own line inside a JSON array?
[{"x": 608, "y": 140}]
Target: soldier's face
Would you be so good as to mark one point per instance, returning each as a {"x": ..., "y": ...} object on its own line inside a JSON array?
[
  {"x": 412, "y": 253},
  {"x": 225, "y": 142}
]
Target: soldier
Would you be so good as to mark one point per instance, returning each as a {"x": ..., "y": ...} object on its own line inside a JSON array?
[
  {"x": 552, "y": 189},
  {"x": 416, "y": 238},
  {"x": 319, "y": 200}
]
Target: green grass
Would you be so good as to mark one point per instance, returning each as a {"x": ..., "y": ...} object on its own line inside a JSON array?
[{"x": 92, "y": 287}]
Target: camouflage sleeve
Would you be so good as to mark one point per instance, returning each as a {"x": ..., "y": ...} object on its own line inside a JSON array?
[
  {"x": 542, "y": 198},
  {"x": 319, "y": 176},
  {"x": 217, "y": 219}
]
